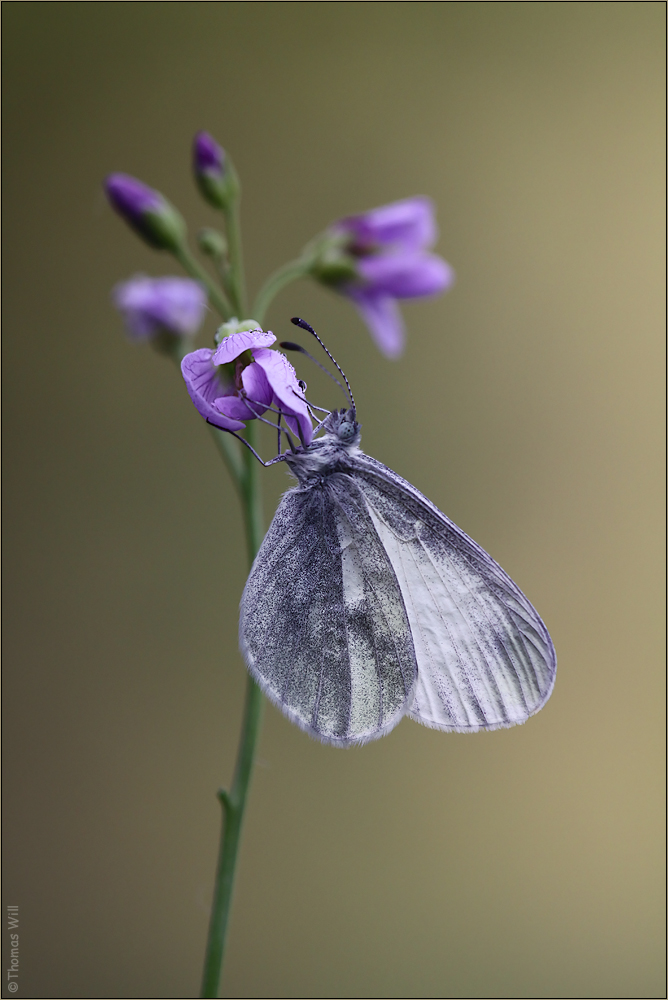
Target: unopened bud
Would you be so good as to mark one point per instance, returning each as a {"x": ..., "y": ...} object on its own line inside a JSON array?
[
  {"x": 212, "y": 243},
  {"x": 214, "y": 173},
  {"x": 147, "y": 211}
]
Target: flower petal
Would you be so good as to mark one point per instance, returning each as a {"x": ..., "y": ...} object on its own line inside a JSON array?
[
  {"x": 406, "y": 276},
  {"x": 234, "y": 345},
  {"x": 382, "y": 317},
  {"x": 288, "y": 394},
  {"x": 234, "y": 407},
  {"x": 254, "y": 380},
  {"x": 408, "y": 224},
  {"x": 204, "y": 387}
]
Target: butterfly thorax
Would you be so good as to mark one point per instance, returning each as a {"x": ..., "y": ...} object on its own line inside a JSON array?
[{"x": 333, "y": 452}]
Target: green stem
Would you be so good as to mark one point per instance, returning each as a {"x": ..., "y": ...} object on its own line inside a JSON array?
[
  {"x": 275, "y": 282},
  {"x": 252, "y": 495},
  {"x": 192, "y": 266},
  {"x": 234, "y": 801},
  {"x": 234, "y": 804},
  {"x": 229, "y": 451},
  {"x": 236, "y": 283}
]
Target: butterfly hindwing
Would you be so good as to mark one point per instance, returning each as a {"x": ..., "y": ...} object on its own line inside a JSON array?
[
  {"x": 323, "y": 625},
  {"x": 485, "y": 658}
]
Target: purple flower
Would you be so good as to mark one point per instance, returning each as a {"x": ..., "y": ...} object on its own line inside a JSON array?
[
  {"x": 380, "y": 256},
  {"x": 213, "y": 171},
  {"x": 147, "y": 211},
  {"x": 151, "y": 306},
  {"x": 241, "y": 378}
]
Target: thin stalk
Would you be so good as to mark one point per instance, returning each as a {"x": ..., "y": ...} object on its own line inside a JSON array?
[
  {"x": 275, "y": 282},
  {"x": 236, "y": 288},
  {"x": 234, "y": 802},
  {"x": 192, "y": 266},
  {"x": 229, "y": 451}
]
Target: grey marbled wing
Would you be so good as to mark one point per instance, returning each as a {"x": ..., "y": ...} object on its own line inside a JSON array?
[
  {"x": 323, "y": 626},
  {"x": 485, "y": 658}
]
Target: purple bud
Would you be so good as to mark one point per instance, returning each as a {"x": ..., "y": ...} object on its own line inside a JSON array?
[
  {"x": 146, "y": 210},
  {"x": 213, "y": 171},
  {"x": 131, "y": 198},
  {"x": 208, "y": 156}
]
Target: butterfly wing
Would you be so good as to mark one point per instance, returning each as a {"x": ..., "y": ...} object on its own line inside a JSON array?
[
  {"x": 485, "y": 658},
  {"x": 323, "y": 626}
]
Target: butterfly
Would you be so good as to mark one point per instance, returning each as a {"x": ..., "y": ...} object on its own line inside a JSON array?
[{"x": 365, "y": 603}]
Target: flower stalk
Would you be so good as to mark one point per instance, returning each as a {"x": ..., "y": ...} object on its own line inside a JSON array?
[
  {"x": 192, "y": 266},
  {"x": 291, "y": 271},
  {"x": 234, "y": 802},
  {"x": 236, "y": 287}
]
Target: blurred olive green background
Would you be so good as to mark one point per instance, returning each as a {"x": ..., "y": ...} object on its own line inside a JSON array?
[{"x": 522, "y": 863}]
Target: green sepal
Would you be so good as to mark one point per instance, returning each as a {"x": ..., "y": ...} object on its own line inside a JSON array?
[
  {"x": 330, "y": 261},
  {"x": 220, "y": 189},
  {"x": 164, "y": 229}
]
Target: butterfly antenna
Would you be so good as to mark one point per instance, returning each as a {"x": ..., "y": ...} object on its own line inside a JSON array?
[
  {"x": 289, "y": 345},
  {"x": 307, "y": 326}
]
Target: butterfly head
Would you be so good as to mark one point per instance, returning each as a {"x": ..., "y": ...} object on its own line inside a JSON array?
[{"x": 343, "y": 425}]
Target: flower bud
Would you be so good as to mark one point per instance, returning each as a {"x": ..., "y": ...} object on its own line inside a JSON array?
[
  {"x": 147, "y": 211},
  {"x": 214, "y": 173},
  {"x": 212, "y": 243},
  {"x": 235, "y": 325}
]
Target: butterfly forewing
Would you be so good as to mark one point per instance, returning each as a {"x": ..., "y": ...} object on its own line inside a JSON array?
[
  {"x": 485, "y": 658},
  {"x": 323, "y": 625}
]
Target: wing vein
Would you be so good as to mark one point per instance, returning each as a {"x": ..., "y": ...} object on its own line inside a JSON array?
[{"x": 489, "y": 680}]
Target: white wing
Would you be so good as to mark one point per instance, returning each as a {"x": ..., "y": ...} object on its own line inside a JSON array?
[
  {"x": 485, "y": 659},
  {"x": 323, "y": 626}
]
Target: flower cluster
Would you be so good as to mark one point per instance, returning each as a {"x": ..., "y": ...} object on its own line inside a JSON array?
[
  {"x": 375, "y": 259},
  {"x": 241, "y": 379}
]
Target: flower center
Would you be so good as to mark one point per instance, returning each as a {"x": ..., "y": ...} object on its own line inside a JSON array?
[
  {"x": 230, "y": 372},
  {"x": 357, "y": 248}
]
